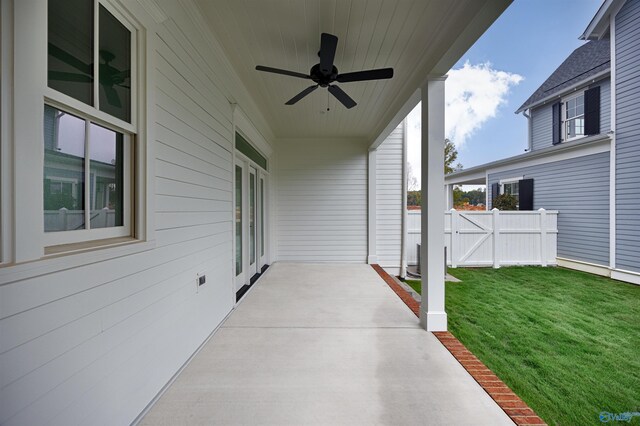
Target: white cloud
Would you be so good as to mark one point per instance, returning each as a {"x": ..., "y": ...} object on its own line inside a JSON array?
[{"x": 473, "y": 95}]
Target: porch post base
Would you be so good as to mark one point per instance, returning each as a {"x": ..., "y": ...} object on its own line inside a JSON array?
[
  {"x": 372, "y": 260},
  {"x": 433, "y": 321}
]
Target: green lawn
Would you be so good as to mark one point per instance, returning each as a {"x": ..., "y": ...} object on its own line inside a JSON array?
[{"x": 567, "y": 342}]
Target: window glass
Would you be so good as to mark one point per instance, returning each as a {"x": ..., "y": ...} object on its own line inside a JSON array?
[
  {"x": 262, "y": 224},
  {"x": 70, "y": 48},
  {"x": 247, "y": 149},
  {"x": 238, "y": 220},
  {"x": 64, "y": 155},
  {"x": 106, "y": 177},
  {"x": 512, "y": 188},
  {"x": 252, "y": 218},
  {"x": 574, "y": 114},
  {"x": 115, "y": 66}
]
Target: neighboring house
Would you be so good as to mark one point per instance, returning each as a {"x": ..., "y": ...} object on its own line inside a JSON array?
[
  {"x": 210, "y": 175},
  {"x": 584, "y": 149}
]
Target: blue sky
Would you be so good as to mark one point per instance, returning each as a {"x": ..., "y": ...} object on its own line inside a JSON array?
[{"x": 516, "y": 55}]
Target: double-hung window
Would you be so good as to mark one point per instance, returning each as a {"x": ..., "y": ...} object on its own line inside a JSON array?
[
  {"x": 574, "y": 117},
  {"x": 89, "y": 123},
  {"x": 511, "y": 187}
]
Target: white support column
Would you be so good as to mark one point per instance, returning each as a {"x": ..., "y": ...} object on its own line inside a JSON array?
[
  {"x": 403, "y": 239},
  {"x": 432, "y": 314},
  {"x": 448, "y": 196},
  {"x": 372, "y": 217}
]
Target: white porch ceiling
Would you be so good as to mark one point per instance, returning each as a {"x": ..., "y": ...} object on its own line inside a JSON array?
[{"x": 415, "y": 37}]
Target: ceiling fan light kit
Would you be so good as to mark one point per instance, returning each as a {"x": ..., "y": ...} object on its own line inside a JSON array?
[{"x": 325, "y": 74}]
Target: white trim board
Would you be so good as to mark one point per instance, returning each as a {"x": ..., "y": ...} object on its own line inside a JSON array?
[
  {"x": 612, "y": 154},
  {"x": 511, "y": 180},
  {"x": 566, "y": 150},
  {"x": 626, "y": 276},
  {"x": 591, "y": 149},
  {"x": 568, "y": 91},
  {"x": 591, "y": 268}
]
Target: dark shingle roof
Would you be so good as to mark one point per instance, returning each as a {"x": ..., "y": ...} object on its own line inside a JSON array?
[{"x": 587, "y": 60}]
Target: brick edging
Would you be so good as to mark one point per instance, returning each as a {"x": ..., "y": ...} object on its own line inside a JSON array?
[{"x": 517, "y": 410}]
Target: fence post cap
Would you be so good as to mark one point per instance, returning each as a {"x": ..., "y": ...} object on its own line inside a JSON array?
[
  {"x": 541, "y": 209},
  {"x": 495, "y": 210},
  {"x": 453, "y": 210},
  {"x": 63, "y": 209}
]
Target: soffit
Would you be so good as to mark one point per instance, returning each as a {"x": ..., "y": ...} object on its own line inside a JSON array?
[{"x": 415, "y": 37}]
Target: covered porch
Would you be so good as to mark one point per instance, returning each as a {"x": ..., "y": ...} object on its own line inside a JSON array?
[
  {"x": 323, "y": 344},
  {"x": 218, "y": 178}
]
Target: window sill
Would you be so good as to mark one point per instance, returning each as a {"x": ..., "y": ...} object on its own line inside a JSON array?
[
  {"x": 86, "y": 246},
  {"x": 68, "y": 256}
]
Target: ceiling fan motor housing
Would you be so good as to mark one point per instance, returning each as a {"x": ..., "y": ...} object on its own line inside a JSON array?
[{"x": 323, "y": 79}]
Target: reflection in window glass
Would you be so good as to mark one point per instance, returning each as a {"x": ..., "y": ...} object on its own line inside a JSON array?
[
  {"x": 262, "y": 225},
  {"x": 252, "y": 219},
  {"x": 238, "y": 220},
  {"x": 115, "y": 66},
  {"x": 105, "y": 177},
  {"x": 574, "y": 114},
  {"x": 512, "y": 189},
  {"x": 64, "y": 142},
  {"x": 70, "y": 48}
]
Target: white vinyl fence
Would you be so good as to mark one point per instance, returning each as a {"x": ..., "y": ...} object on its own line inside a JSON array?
[
  {"x": 66, "y": 220},
  {"x": 492, "y": 238}
]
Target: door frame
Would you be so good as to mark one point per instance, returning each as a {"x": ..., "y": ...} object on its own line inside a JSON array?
[{"x": 249, "y": 270}]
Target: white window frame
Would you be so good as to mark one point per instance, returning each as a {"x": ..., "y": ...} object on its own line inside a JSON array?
[
  {"x": 93, "y": 115},
  {"x": 508, "y": 181},
  {"x": 24, "y": 48},
  {"x": 563, "y": 113}
]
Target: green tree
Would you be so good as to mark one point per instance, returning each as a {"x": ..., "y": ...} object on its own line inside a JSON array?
[
  {"x": 450, "y": 156},
  {"x": 505, "y": 202},
  {"x": 414, "y": 198}
]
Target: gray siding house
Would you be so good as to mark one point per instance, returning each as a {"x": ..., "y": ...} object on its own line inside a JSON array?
[{"x": 584, "y": 148}]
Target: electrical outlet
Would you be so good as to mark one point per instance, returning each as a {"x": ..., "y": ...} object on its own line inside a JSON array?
[{"x": 202, "y": 279}]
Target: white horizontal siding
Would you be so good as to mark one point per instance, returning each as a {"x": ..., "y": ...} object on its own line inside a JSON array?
[
  {"x": 389, "y": 201},
  {"x": 321, "y": 200},
  {"x": 94, "y": 344}
]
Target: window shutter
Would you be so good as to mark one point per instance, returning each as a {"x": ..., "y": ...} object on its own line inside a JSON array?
[
  {"x": 525, "y": 188},
  {"x": 592, "y": 111},
  {"x": 556, "y": 113},
  {"x": 495, "y": 191}
]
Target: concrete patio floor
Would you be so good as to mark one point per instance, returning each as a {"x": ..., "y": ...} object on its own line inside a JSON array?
[{"x": 324, "y": 345}]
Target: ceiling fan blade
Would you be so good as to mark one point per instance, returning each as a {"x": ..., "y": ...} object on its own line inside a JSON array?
[
  {"x": 121, "y": 75},
  {"x": 301, "y": 95},
  {"x": 69, "y": 59},
  {"x": 379, "y": 74},
  {"x": 69, "y": 76},
  {"x": 112, "y": 96},
  {"x": 328, "y": 44},
  {"x": 342, "y": 97},
  {"x": 283, "y": 72}
]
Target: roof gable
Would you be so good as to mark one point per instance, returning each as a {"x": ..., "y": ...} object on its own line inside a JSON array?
[{"x": 588, "y": 60}]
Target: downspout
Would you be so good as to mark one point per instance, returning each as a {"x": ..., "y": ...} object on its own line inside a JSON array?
[
  {"x": 403, "y": 242},
  {"x": 529, "y": 129}
]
